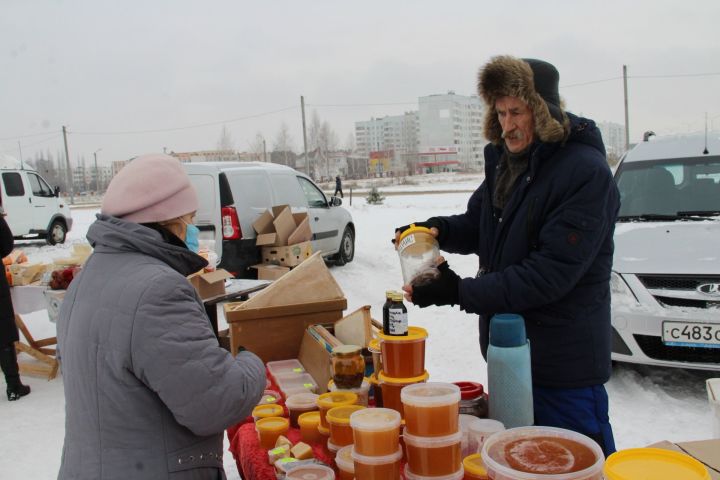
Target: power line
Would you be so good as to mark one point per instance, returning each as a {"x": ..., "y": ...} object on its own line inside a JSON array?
[
  {"x": 360, "y": 104},
  {"x": 28, "y": 136},
  {"x": 55, "y": 136},
  {"x": 679, "y": 75}
]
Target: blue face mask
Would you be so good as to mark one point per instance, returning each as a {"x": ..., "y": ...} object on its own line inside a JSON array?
[{"x": 191, "y": 237}]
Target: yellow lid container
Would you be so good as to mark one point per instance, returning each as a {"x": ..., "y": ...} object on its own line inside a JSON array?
[
  {"x": 323, "y": 431},
  {"x": 415, "y": 334},
  {"x": 272, "y": 424},
  {"x": 655, "y": 463},
  {"x": 474, "y": 467},
  {"x": 268, "y": 410},
  {"x": 336, "y": 399},
  {"x": 341, "y": 415}
]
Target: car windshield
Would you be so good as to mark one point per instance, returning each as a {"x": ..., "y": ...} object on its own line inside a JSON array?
[{"x": 669, "y": 189}]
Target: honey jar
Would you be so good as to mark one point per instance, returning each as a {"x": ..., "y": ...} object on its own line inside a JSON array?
[{"x": 348, "y": 366}]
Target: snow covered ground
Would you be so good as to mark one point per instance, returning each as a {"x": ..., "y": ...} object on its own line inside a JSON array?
[{"x": 646, "y": 404}]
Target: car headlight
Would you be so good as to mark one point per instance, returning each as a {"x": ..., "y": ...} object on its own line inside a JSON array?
[{"x": 621, "y": 292}]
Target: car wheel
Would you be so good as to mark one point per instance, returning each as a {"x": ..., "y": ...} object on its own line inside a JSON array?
[
  {"x": 57, "y": 233},
  {"x": 347, "y": 248}
]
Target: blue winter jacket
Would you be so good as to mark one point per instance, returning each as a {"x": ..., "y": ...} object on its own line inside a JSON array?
[{"x": 547, "y": 256}]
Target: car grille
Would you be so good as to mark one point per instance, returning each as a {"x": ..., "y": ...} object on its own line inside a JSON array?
[
  {"x": 654, "y": 348},
  {"x": 677, "y": 287}
]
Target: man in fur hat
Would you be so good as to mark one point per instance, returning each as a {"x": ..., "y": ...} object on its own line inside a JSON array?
[{"x": 542, "y": 226}]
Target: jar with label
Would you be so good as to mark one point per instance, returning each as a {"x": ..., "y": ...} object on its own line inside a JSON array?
[
  {"x": 348, "y": 366},
  {"x": 386, "y": 309},
  {"x": 397, "y": 321}
]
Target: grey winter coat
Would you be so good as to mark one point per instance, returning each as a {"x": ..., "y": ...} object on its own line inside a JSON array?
[{"x": 148, "y": 390}]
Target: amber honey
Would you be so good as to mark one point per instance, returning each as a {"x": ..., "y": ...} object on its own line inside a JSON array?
[
  {"x": 329, "y": 400},
  {"x": 546, "y": 455},
  {"x": 341, "y": 433},
  {"x": 431, "y": 409},
  {"x": 344, "y": 463},
  {"x": 386, "y": 467},
  {"x": 376, "y": 431},
  {"x": 391, "y": 388},
  {"x": 404, "y": 356},
  {"x": 309, "y": 423},
  {"x": 269, "y": 429},
  {"x": 433, "y": 456}
]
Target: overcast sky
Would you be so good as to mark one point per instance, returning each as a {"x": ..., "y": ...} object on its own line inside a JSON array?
[{"x": 126, "y": 66}]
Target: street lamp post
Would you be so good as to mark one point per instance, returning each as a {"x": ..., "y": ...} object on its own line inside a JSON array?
[{"x": 97, "y": 182}]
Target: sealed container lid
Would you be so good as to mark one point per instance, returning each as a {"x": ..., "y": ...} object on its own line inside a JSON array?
[
  {"x": 285, "y": 366},
  {"x": 402, "y": 381},
  {"x": 346, "y": 350},
  {"x": 364, "y": 387},
  {"x": 507, "y": 330},
  {"x": 374, "y": 345},
  {"x": 269, "y": 396},
  {"x": 485, "y": 426},
  {"x": 397, "y": 297},
  {"x": 296, "y": 383},
  {"x": 414, "y": 229},
  {"x": 473, "y": 464},
  {"x": 302, "y": 401},
  {"x": 365, "y": 460},
  {"x": 415, "y": 334},
  {"x": 273, "y": 424},
  {"x": 453, "y": 476},
  {"x": 344, "y": 460},
  {"x": 337, "y": 399},
  {"x": 311, "y": 472},
  {"x": 309, "y": 419},
  {"x": 470, "y": 390},
  {"x": 341, "y": 415},
  {"x": 432, "y": 442},
  {"x": 388, "y": 294},
  {"x": 268, "y": 410},
  {"x": 375, "y": 419},
  {"x": 430, "y": 394},
  {"x": 654, "y": 463}
]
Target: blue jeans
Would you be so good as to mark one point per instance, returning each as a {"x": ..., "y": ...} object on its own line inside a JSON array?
[{"x": 583, "y": 410}]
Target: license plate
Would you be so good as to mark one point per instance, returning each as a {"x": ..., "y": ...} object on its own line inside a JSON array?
[{"x": 686, "y": 334}]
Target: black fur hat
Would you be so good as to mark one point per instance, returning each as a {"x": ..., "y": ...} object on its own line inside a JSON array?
[{"x": 533, "y": 81}]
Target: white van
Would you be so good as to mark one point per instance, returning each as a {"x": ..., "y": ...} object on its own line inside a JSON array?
[
  {"x": 234, "y": 194},
  {"x": 666, "y": 267},
  {"x": 33, "y": 208}
]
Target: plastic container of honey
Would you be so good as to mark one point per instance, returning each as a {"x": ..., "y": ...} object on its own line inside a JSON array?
[
  {"x": 329, "y": 400},
  {"x": 538, "y": 453},
  {"x": 309, "y": 423},
  {"x": 269, "y": 396},
  {"x": 338, "y": 418},
  {"x": 300, "y": 403},
  {"x": 285, "y": 367},
  {"x": 655, "y": 463},
  {"x": 404, "y": 356},
  {"x": 310, "y": 472},
  {"x": 431, "y": 409},
  {"x": 474, "y": 467},
  {"x": 363, "y": 392},
  {"x": 376, "y": 352},
  {"x": 268, "y": 410},
  {"x": 453, "y": 476},
  {"x": 269, "y": 429},
  {"x": 344, "y": 463},
  {"x": 391, "y": 388},
  {"x": 386, "y": 467},
  {"x": 418, "y": 251},
  {"x": 332, "y": 448},
  {"x": 433, "y": 456},
  {"x": 292, "y": 383},
  {"x": 376, "y": 431},
  {"x": 324, "y": 433}
]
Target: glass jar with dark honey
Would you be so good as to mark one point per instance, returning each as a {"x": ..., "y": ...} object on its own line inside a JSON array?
[{"x": 347, "y": 366}]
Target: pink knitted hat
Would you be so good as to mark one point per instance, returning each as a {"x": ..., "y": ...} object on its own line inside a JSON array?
[{"x": 151, "y": 188}]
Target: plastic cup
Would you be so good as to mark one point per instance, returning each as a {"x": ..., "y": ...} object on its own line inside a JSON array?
[
  {"x": 559, "y": 454},
  {"x": 404, "y": 356},
  {"x": 376, "y": 431},
  {"x": 300, "y": 403},
  {"x": 431, "y": 409},
  {"x": 474, "y": 467},
  {"x": 433, "y": 456},
  {"x": 329, "y": 400},
  {"x": 391, "y": 388},
  {"x": 363, "y": 392},
  {"x": 344, "y": 462},
  {"x": 309, "y": 423},
  {"x": 386, "y": 467},
  {"x": 310, "y": 472},
  {"x": 480, "y": 430},
  {"x": 453, "y": 476},
  {"x": 268, "y": 410},
  {"x": 338, "y": 418},
  {"x": 269, "y": 429}
]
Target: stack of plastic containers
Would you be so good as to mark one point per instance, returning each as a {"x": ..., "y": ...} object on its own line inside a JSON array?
[
  {"x": 376, "y": 451},
  {"x": 341, "y": 433},
  {"x": 291, "y": 378},
  {"x": 300, "y": 403},
  {"x": 330, "y": 400},
  {"x": 432, "y": 431},
  {"x": 363, "y": 392},
  {"x": 344, "y": 463},
  {"x": 403, "y": 363}
]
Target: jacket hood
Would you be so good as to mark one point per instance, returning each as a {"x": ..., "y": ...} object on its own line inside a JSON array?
[
  {"x": 509, "y": 76},
  {"x": 114, "y": 235}
]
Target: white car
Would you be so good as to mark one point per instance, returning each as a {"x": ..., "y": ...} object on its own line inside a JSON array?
[
  {"x": 234, "y": 194},
  {"x": 666, "y": 269}
]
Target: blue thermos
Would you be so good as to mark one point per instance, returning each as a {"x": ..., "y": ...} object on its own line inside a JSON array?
[{"x": 510, "y": 399}]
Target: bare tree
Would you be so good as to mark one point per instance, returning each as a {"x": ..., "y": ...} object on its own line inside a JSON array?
[
  {"x": 313, "y": 131},
  {"x": 257, "y": 147},
  {"x": 349, "y": 142},
  {"x": 327, "y": 142},
  {"x": 283, "y": 142},
  {"x": 225, "y": 141}
]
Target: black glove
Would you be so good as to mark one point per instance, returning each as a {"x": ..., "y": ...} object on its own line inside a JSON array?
[
  {"x": 432, "y": 222},
  {"x": 443, "y": 291}
]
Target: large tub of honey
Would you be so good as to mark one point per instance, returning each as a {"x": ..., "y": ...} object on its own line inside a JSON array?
[
  {"x": 376, "y": 431},
  {"x": 431, "y": 409},
  {"x": 386, "y": 467},
  {"x": 433, "y": 456},
  {"x": 391, "y": 388},
  {"x": 542, "y": 453},
  {"x": 403, "y": 356},
  {"x": 338, "y": 418}
]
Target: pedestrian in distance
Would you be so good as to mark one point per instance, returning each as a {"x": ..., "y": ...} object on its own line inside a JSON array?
[
  {"x": 541, "y": 225},
  {"x": 148, "y": 390},
  {"x": 8, "y": 329},
  {"x": 338, "y": 187}
]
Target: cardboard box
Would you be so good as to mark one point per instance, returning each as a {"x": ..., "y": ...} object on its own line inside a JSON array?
[
  {"x": 315, "y": 357},
  {"x": 705, "y": 451},
  {"x": 287, "y": 256},
  {"x": 210, "y": 284},
  {"x": 270, "y": 272},
  {"x": 279, "y": 227}
]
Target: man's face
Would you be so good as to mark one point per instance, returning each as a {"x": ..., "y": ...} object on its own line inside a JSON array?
[{"x": 517, "y": 122}]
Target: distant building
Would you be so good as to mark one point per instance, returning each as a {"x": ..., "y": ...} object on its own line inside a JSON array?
[
  {"x": 216, "y": 156},
  {"x": 284, "y": 158},
  {"x": 397, "y": 134},
  {"x": 613, "y": 135}
]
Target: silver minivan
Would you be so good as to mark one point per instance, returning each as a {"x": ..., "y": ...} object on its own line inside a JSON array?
[
  {"x": 234, "y": 194},
  {"x": 666, "y": 268}
]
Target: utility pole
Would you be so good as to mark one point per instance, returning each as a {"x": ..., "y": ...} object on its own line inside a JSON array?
[
  {"x": 264, "y": 152},
  {"x": 627, "y": 119},
  {"x": 23, "y": 168},
  {"x": 97, "y": 179},
  {"x": 307, "y": 159},
  {"x": 69, "y": 169}
]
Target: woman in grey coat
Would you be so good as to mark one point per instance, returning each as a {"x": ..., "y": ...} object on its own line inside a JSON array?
[{"x": 148, "y": 390}]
